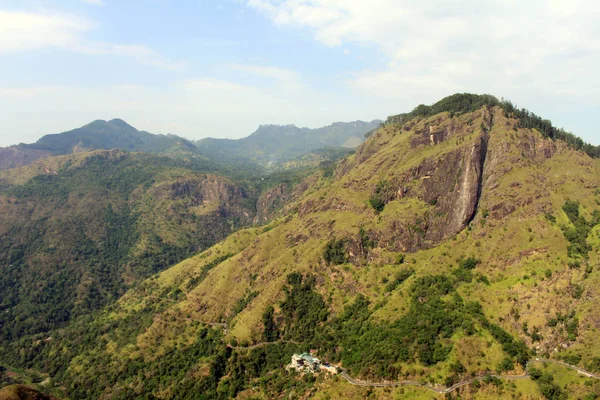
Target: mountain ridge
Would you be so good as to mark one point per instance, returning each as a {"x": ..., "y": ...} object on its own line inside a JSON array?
[
  {"x": 429, "y": 254},
  {"x": 118, "y": 134},
  {"x": 446, "y": 246},
  {"x": 282, "y": 143}
]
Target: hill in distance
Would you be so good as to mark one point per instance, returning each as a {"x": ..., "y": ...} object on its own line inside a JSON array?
[
  {"x": 458, "y": 241},
  {"x": 273, "y": 144},
  {"x": 88, "y": 225},
  {"x": 269, "y": 144},
  {"x": 97, "y": 135}
]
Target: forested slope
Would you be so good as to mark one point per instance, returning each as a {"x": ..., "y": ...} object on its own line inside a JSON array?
[{"x": 450, "y": 245}]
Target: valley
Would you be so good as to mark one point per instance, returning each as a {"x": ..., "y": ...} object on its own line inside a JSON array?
[{"x": 455, "y": 252}]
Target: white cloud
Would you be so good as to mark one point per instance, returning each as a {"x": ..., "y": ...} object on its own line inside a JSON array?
[
  {"x": 25, "y": 31},
  {"x": 213, "y": 84},
  {"x": 26, "y": 92},
  {"x": 140, "y": 53},
  {"x": 277, "y": 73},
  {"x": 534, "y": 51},
  {"x": 287, "y": 79},
  {"x": 94, "y": 2}
]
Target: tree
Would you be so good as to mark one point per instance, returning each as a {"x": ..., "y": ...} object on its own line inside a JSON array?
[
  {"x": 335, "y": 252},
  {"x": 270, "y": 332}
]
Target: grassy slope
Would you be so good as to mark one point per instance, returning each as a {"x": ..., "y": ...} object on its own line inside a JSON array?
[{"x": 516, "y": 247}]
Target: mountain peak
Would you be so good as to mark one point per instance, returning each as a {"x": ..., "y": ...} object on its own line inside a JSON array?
[{"x": 120, "y": 123}]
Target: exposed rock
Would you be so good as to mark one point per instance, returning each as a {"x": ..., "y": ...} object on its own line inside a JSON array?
[
  {"x": 270, "y": 202},
  {"x": 210, "y": 189},
  {"x": 451, "y": 185},
  {"x": 22, "y": 392}
]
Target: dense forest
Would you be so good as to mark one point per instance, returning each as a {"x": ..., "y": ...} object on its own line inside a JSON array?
[{"x": 75, "y": 241}]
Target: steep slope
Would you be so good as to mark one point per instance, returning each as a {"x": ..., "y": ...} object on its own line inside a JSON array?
[
  {"x": 75, "y": 235},
  {"x": 98, "y": 135},
  {"x": 278, "y": 143},
  {"x": 449, "y": 245}
]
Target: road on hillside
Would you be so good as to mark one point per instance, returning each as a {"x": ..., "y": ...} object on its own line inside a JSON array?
[
  {"x": 443, "y": 390},
  {"x": 437, "y": 389}
]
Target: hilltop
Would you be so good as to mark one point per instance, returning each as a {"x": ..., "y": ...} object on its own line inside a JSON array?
[
  {"x": 97, "y": 135},
  {"x": 458, "y": 240},
  {"x": 269, "y": 144}
]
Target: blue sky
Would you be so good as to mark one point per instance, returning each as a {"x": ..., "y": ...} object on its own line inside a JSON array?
[{"x": 221, "y": 68}]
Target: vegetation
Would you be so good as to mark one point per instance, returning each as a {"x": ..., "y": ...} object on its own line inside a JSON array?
[
  {"x": 75, "y": 241},
  {"x": 87, "y": 248},
  {"x": 335, "y": 252},
  {"x": 549, "y": 389},
  {"x": 410, "y": 303},
  {"x": 303, "y": 310},
  {"x": 399, "y": 279},
  {"x": 466, "y": 102},
  {"x": 378, "y": 200},
  {"x": 375, "y": 349},
  {"x": 469, "y": 263},
  {"x": 578, "y": 233}
]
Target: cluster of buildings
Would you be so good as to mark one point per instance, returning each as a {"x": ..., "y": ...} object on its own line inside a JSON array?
[{"x": 306, "y": 362}]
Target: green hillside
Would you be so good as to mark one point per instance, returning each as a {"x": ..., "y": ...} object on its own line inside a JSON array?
[
  {"x": 113, "y": 134},
  {"x": 77, "y": 231},
  {"x": 97, "y": 135},
  {"x": 274, "y": 144},
  {"x": 269, "y": 145},
  {"x": 456, "y": 242}
]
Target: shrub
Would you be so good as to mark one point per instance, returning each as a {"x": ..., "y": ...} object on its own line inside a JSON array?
[
  {"x": 506, "y": 365},
  {"x": 469, "y": 263},
  {"x": 377, "y": 204},
  {"x": 399, "y": 279},
  {"x": 335, "y": 252},
  {"x": 378, "y": 200},
  {"x": 594, "y": 365}
]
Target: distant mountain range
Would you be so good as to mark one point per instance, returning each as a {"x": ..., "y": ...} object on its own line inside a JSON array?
[
  {"x": 280, "y": 143},
  {"x": 270, "y": 143}
]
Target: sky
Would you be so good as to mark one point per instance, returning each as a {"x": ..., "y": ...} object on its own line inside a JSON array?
[{"x": 221, "y": 68}]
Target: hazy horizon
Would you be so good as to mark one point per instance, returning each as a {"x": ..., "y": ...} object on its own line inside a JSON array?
[{"x": 205, "y": 69}]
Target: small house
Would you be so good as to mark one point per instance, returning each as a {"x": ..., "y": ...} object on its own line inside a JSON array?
[{"x": 306, "y": 362}]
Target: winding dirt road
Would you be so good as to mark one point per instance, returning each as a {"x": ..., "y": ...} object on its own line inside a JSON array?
[{"x": 443, "y": 389}]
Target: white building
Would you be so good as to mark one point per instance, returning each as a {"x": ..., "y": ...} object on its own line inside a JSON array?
[{"x": 307, "y": 363}]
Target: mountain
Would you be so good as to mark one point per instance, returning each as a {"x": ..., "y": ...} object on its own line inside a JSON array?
[
  {"x": 76, "y": 231},
  {"x": 273, "y": 144},
  {"x": 98, "y": 135},
  {"x": 458, "y": 241},
  {"x": 269, "y": 143}
]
